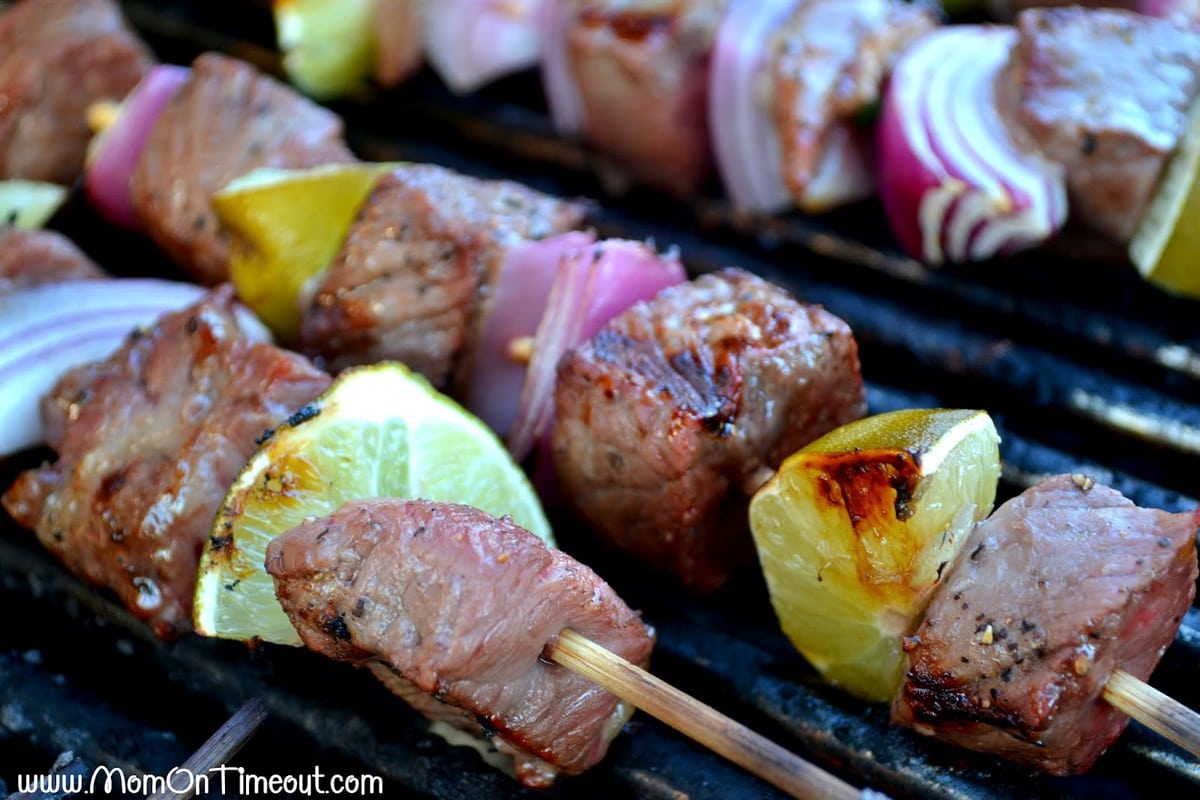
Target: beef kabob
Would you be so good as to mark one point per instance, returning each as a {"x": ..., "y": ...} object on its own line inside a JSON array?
[
  {"x": 147, "y": 441},
  {"x": 1036, "y": 645},
  {"x": 332, "y": 49},
  {"x": 58, "y": 58},
  {"x": 1037, "y": 624},
  {"x": 93, "y": 508},
  {"x": 149, "y": 582},
  {"x": 982, "y": 149},
  {"x": 981, "y": 146}
]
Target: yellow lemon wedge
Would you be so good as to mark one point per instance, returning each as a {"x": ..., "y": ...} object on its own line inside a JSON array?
[
  {"x": 377, "y": 431},
  {"x": 854, "y": 530},
  {"x": 29, "y": 204},
  {"x": 290, "y": 224},
  {"x": 1166, "y": 246},
  {"x": 328, "y": 46}
]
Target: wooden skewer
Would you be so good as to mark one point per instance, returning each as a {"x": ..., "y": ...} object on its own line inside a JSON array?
[
  {"x": 1160, "y": 713},
  {"x": 520, "y": 350},
  {"x": 709, "y": 727},
  {"x": 220, "y": 747},
  {"x": 101, "y": 115}
]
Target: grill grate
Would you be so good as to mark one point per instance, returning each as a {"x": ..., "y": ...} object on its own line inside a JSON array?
[{"x": 1083, "y": 367}]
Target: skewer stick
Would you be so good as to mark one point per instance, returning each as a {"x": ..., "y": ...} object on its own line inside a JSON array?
[
  {"x": 1160, "y": 713},
  {"x": 220, "y": 747},
  {"x": 709, "y": 727},
  {"x": 101, "y": 115}
]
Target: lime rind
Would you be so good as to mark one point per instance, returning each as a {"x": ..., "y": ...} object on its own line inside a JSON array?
[
  {"x": 377, "y": 431},
  {"x": 1165, "y": 249}
]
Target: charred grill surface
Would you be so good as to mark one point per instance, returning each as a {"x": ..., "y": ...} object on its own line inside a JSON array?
[{"x": 1084, "y": 367}]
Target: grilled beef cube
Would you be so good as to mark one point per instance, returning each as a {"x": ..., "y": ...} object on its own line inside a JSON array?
[
  {"x": 400, "y": 49},
  {"x": 148, "y": 441},
  {"x": 226, "y": 120},
  {"x": 1057, "y": 589},
  {"x": 460, "y": 606},
  {"x": 832, "y": 58},
  {"x": 679, "y": 408},
  {"x": 408, "y": 282},
  {"x": 1106, "y": 93},
  {"x": 57, "y": 57},
  {"x": 30, "y": 258},
  {"x": 641, "y": 70}
]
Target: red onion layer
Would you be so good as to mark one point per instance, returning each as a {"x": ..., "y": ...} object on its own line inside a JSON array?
[
  {"x": 955, "y": 184},
  {"x": 46, "y": 330},
  {"x": 114, "y": 153},
  {"x": 592, "y": 285},
  {"x": 518, "y": 299}
]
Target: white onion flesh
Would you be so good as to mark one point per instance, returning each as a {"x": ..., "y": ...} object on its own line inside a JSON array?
[
  {"x": 114, "y": 153},
  {"x": 563, "y": 97},
  {"x": 745, "y": 141},
  {"x": 592, "y": 285},
  {"x": 49, "y": 329},
  {"x": 955, "y": 184},
  {"x": 471, "y": 43}
]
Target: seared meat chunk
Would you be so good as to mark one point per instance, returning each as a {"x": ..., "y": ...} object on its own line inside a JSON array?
[
  {"x": 57, "y": 57},
  {"x": 30, "y": 258},
  {"x": 832, "y": 58},
  {"x": 641, "y": 71},
  {"x": 461, "y": 606},
  {"x": 148, "y": 441},
  {"x": 413, "y": 271},
  {"x": 225, "y": 121},
  {"x": 679, "y": 408},
  {"x": 1106, "y": 93},
  {"x": 1057, "y": 589}
]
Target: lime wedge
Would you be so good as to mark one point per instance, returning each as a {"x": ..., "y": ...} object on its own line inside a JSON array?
[
  {"x": 378, "y": 431},
  {"x": 854, "y": 530},
  {"x": 328, "y": 45},
  {"x": 29, "y": 204},
  {"x": 1166, "y": 246}
]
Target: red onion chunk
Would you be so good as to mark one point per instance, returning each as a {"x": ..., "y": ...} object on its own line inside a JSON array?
[
  {"x": 46, "y": 330},
  {"x": 955, "y": 184},
  {"x": 473, "y": 42},
  {"x": 593, "y": 285},
  {"x": 114, "y": 153},
  {"x": 745, "y": 142},
  {"x": 518, "y": 300},
  {"x": 558, "y": 78},
  {"x": 1183, "y": 9}
]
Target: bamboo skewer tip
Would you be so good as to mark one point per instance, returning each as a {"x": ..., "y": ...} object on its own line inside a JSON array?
[
  {"x": 223, "y": 745},
  {"x": 725, "y": 736},
  {"x": 1159, "y": 712}
]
